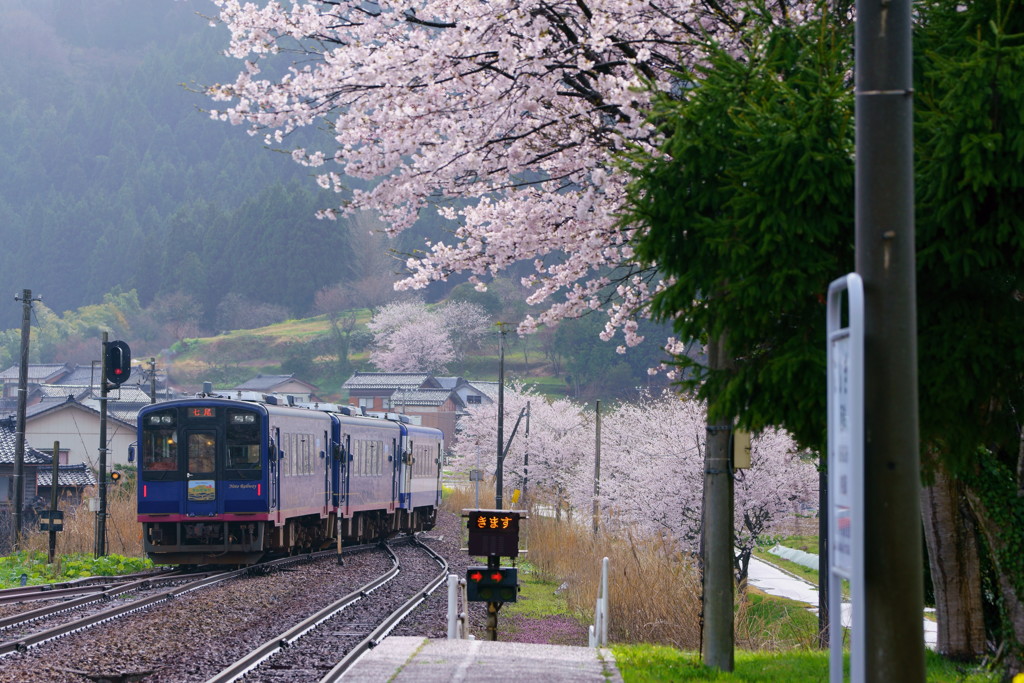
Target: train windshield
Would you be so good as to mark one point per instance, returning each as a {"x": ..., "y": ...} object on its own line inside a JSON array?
[
  {"x": 202, "y": 452},
  {"x": 159, "y": 442}
]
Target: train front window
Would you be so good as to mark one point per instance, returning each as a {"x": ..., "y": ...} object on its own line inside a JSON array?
[
  {"x": 159, "y": 451},
  {"x": 159, "y": 442},
  {"x": 202, "y": 447},
  {"x": 243, "y": 443}
]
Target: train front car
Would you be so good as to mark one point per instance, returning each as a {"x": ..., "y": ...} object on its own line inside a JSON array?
[{"x": 225, "y": 482}]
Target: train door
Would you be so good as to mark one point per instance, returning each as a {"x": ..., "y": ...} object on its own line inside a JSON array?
[
  {"x": 201, "y": 471},
  {"x": 326, "y": 466},
  {"x": 396, "y": 459},
  {"x": 275, "y": 472},
  {"x": 345, "y": 472}
]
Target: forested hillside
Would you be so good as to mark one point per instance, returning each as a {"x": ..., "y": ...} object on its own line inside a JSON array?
[{"x": 111, "y": 176}]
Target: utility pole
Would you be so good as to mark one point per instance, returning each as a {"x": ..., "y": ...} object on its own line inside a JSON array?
[
  {"x": 19, "y": 436},
  {"x": 498, "y": 482},
  {"x": 884, "y": 230},
  {"x": 717, "y": 635},
  {"x": 54, "y": 478},
  {"x": 597, "y": 467},
  {"x": 101, "y": 516},
  {"x": 152, "y": 380}
]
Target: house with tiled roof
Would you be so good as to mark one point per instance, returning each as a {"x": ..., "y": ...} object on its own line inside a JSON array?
[
  {"x": 435, "y": 401},
  {"x": 32, "y": 461},
  {"x": 72, "y": 480},
  {"x": 75, "y": 423},
  {"x": 280, "y": 385}
]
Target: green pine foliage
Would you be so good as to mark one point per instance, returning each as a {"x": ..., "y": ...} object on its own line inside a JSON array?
[{"x": 751, "y": 213}]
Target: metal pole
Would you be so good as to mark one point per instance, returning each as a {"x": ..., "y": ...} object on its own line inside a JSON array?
[
  {"x": 54, "y": 478},
  {"x": 717, "y": 556},
  {"x": 498, "y": 483},
  {"x": 101, "y": 516},
  {"x": 19, "y": 436},
  {"x": 597, "y": 466},
  {"x": 884, "y": 227},
  {"x": 152, "y": 380},
  {"x": 526, "y": 454}
]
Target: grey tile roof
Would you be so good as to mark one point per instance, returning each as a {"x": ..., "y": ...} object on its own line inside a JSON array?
[
  {"x": 122, "y": 412},
  {"x": 489, "y": 389},
  {"x": 390, "y": 380},
  {"x": 7, "y": 448},
  {"x": 81, "y": 375},
  {"x": 67, "y": 475},
  {"x": 419, "y": 397},
  {"x": 36, "y": 372}
]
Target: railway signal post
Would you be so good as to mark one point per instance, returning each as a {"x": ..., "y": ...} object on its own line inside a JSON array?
[{"x": 494, "y": 534}]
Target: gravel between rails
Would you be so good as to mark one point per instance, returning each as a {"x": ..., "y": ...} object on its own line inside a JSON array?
[
  {"x": 202, "y": 632},
  {"x": 196, "y": 635}
]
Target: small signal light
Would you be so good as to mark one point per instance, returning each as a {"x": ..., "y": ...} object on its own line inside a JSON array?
[
  {"x": 115, "y": 476},
  {"x": 475, "y": 576},
  {"x": 496, "y": 577}
]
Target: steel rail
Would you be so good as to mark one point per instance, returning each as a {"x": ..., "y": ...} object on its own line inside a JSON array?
[
  {"x": 267, "y": 650},
  {"x": 378, "y": 634},
  {"x": 208, "y": 579}
]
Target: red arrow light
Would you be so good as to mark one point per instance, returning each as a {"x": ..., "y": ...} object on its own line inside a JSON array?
[{"x": 476, "y": 576}]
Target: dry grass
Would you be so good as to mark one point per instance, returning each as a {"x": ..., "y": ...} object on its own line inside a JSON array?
[
  {"x": 654, "y": 591},
  {"x": 124, "y": 533}
]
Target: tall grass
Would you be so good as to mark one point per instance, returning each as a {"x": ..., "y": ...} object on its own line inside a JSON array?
[{"x": 124, "y": 533}]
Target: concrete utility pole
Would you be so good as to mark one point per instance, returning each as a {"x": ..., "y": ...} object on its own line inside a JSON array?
[
  {"x": 498, "y": 480},
  {"x": 884, "y": 223},
  {"x": 717, "y": 637},
  {"x": 19, "y": 436},
  {"x": 597, "y": 467}
]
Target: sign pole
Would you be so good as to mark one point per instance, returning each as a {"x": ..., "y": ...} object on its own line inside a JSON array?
[{"x": 846, "y": 511}]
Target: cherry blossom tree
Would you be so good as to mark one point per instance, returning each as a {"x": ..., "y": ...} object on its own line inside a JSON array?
[
  {"x": 409, "y": 338},
  {"x": 550, "y": 459},
  {"x": 652, "y": 466},
  {"x": 468, "y": 324},
  {"x": 505, "y": 116}
]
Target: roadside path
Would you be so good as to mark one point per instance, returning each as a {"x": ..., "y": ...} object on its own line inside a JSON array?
[{"x": 774, "y": 581}]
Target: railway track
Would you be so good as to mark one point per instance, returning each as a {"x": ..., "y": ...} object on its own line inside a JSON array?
[
  {"x": 124, "y": 597},
  {"x": 329, "y": 634}
]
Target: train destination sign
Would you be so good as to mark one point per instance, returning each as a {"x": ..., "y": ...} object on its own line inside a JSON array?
[{"x": 493, "y": 532}]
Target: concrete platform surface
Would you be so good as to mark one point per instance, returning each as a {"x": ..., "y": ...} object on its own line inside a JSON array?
[{"x": 423, "y": 660}]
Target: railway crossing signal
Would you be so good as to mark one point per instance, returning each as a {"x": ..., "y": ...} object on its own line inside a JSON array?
[{"x": 487, "y": 584}]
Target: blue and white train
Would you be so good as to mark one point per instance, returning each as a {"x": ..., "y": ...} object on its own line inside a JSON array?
[{"x": 229, "y": 481}]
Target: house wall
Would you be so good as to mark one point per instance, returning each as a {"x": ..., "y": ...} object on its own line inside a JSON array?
[{"x": 79, "y": 433}]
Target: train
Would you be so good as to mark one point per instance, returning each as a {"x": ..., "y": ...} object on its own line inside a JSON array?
[{"x": 233, "y": 480}]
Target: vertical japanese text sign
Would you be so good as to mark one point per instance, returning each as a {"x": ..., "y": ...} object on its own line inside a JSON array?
[{"x": 846, "y": 471}]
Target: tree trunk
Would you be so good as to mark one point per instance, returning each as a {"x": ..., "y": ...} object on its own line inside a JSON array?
[
  {"x": 999, "y": 540},
  {"x": 951, "y": 538}
]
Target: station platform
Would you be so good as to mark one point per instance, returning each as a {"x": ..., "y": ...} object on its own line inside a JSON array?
[{"x": 425, "y": 660}]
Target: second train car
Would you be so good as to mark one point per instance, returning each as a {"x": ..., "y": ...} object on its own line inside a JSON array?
[{"x": 232, "y": 480}]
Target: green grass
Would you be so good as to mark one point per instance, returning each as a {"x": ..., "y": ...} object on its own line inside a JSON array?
[
  {"x": 38, "y": 571},
  {"x": 537, "y": 596},
  {"x": 656, "y": 664}
]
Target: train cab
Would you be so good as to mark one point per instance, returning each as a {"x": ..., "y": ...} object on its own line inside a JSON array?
[{"x": 205, "y": 481}]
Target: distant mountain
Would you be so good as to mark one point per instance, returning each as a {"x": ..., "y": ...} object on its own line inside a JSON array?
[{"x": 111, "y": 175}]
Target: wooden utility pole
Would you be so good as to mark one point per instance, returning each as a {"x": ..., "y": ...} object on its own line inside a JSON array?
[
  {"x": 19, "y": 435},
  {"x": 884, "y": 226},
  {"x": 54, "y": 478},
  {"x": 101, "y": 516}
]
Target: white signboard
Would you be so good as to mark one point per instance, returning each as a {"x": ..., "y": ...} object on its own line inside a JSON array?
[{"x": 846, "y": 471}]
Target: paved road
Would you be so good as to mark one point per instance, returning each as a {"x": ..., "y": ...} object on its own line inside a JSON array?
[{"x": 776, "y": 582}]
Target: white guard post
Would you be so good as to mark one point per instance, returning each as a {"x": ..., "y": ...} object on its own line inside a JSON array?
[
  {"x": 457, "y": 626},
  {"x": 598, "y": 633},
  {"x": 846, "y": 473}
]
